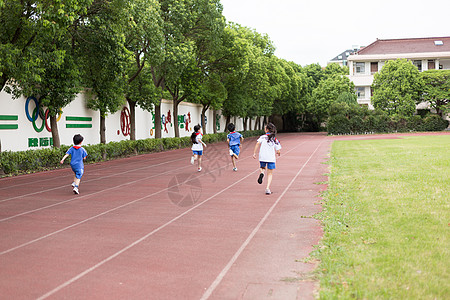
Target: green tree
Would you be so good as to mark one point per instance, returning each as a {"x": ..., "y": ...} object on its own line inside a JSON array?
[
  {"x": 327, "y": 92},
  {"x": 397, "y": 88},
  {"x": 103, "y": 59},
  {"x": 192, "y": 35},
  {"x": 46, "y": 31},
  {"x": 24, "y": 31},
  {"x": 144, "y": 41},
  {"x": 436, "y": 90}
]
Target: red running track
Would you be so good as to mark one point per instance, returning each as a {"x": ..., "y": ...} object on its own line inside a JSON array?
[{"x": 152, "y": 227}]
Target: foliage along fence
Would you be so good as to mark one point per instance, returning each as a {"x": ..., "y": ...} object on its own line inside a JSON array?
[
  {"x": 13, "y": 163},
  {"x": 355, "y": 119}
]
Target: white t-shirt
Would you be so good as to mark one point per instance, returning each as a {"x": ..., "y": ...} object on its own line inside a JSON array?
[
  {"x": 199, "y": 145},
  {"x": 268, "y": 149}
]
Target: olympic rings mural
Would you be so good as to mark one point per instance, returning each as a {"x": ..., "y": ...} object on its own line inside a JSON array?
[{"x": 39, "y": 112}]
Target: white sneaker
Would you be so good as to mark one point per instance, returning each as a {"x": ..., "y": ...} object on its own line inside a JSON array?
[
  {"x": 192, "y": 160},
  {"x": 235, "y": 169},
  {"x": 75, "y": 190},
  {"x": 268, "y": 192},
  {"x": 199, "y": 169}
]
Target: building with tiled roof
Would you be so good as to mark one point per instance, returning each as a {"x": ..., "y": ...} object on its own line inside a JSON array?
[
  {"x": 341, "y": 58},
  {"x": 425, "y": 54}
]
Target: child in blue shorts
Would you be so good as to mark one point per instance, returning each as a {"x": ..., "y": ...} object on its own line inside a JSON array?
[
  {"x": 197, "y": 147},
  {"x": 234, "y": 140},
  {"x": 78, "y": 154},
  {"x": 269, "y": 147}
]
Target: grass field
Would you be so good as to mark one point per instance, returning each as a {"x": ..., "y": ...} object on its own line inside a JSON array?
[{"x": 386, "y": 220}]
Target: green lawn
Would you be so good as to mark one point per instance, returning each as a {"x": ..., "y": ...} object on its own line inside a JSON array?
[{"x": 386, "y": 220}]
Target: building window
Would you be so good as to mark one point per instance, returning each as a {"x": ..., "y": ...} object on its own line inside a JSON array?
[
  {"x": 418, "y": 64},
  {"x": 360, "y": 68},
  {"x": 361, "y": 93},
  {"x": 373, "y": 67},
  {"x": 431, "y": 65}
]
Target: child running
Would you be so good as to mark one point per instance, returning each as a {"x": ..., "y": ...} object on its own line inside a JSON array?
[
  {"x": 234, "y": 140},
  {"x": 269, "y": 146},
  {"x": 197, "y": 147},
  {"x": 78, "y": 154}
]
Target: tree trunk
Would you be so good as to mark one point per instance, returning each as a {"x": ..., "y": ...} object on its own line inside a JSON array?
[
  {"x": 249, "y": 123},
  {"x": 256, "y": 123},
  {"x": 214, "y": 121},
  {"x": 204, "y": 109},
  {"x": 132, "y": 120},
  {"x": 226, "y": 123},
  {"x": 245, "y": 123},
  {"x": 158, "y": 121},
  {"x": 175, "y": 117},
  {"x": 102, "y": 128},
  {"x": 55, "y": 133}
]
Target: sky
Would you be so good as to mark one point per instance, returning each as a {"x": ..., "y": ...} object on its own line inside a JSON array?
[{"x": 315, "y": 31}]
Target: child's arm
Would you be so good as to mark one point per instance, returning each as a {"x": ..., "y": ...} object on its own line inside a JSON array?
[
  {"x": 256, "y": 148},
  {"x": 203, "y": 143},
  {"x": 228, "y": 142},
  {"x": 64, "y": 157}
]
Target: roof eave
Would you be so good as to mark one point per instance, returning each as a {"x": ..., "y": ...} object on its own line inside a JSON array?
[{"x": 383, "y": 57}]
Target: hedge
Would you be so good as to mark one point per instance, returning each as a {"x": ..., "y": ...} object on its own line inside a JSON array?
[
  {"x": 354, "y": 119},
  {"x": 13, "y": 163}
]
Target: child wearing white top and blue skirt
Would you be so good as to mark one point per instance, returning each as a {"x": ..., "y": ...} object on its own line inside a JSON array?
[
  {"x": 269, "y": 147},
  {"x": 197, "y": 147}
]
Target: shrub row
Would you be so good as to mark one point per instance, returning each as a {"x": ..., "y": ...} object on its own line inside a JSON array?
[
  {"x": 354, "y": 119},
  {"x": 46, "y": 159}
]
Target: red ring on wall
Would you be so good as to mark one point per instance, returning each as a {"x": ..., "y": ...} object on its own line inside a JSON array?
[{"x": 125, "y": 125}]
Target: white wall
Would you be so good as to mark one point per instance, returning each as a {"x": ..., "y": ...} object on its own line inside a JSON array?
[{"x": 25, "y": 137}]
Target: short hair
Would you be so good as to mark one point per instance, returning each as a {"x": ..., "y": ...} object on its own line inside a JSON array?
[
  {"x": 77, "y": 139},
  {"x": 231, "y": 127}
]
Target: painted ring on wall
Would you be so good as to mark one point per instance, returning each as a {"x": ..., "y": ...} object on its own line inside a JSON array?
[
  {"x": 27, "y": 111},
  {"x": 45, "y": 118},
  {"x": 34, "y": 122},
  {"x": 125, "y": 125}
]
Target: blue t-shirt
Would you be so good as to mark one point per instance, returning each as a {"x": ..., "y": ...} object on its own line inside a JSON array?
[
  {"x": 77, "y": 154},
  {"x": 235, "y": 138}
]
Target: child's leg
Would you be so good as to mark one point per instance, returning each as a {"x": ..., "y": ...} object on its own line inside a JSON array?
[
  {"x": 233, "y": 161},
  {"x": 199, "y": 161},
  {"x": 261, "y": 175},
  {"x": 269, "y": 178}
]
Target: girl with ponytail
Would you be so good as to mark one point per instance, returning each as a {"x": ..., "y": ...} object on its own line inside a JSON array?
[
  {"x": 197, "y": 147},
  {"x": 267, "y": 158}
]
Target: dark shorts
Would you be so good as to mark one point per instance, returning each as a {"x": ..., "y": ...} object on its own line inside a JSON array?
[
  {"x": 197, "y": 152},
  {"x": 78, "y": 172},
  {"x": 270, "y": 165},
  {"x": 235, "y": 149}
]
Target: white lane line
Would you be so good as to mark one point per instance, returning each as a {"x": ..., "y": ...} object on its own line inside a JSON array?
[
  {"x": 241, "y": 249},
  {"x": 110, "y": 210},
  {"x": 87, "y": 195},
  {"x": 68, "y": 282},
  {"x": 87, "y": 271},
  {"x": 90, "y": 180},
  {"x": 90, "y": 165}
]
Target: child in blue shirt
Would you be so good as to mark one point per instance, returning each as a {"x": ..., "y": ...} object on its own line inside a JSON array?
[
  {"x": 78, "y": 154},
  {"x": 234, "y": 140}
]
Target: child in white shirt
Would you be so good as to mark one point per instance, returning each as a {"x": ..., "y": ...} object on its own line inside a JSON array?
[
  {"x": 269, "y": 147},
  {"x": 197, "y": 147}
]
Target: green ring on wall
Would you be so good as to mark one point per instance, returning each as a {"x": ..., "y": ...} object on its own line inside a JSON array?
[{"x": 34, "y": 122}]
